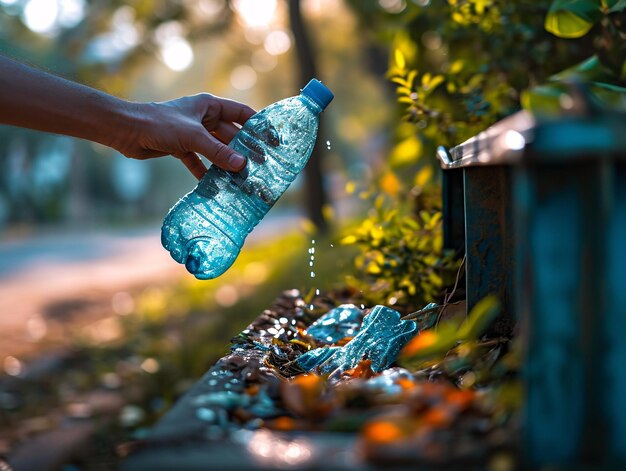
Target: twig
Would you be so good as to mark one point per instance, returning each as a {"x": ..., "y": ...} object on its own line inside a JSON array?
[
  {"x": 414, "y": 314},
  {"x": 449, "y": 296}
]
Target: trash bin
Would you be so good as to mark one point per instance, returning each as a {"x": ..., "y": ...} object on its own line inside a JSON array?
[{"x": 539, "y": 207}]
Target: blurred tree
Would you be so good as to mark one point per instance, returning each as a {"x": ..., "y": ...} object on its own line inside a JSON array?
[
  {"x": 316, "y": 194},
  {"x": 107, "y": 44}
]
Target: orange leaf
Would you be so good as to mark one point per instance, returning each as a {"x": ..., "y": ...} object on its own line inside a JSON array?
[
  {"x": 390, "y": 184},
  {"x": 362, "y": 370},
  {"x": 420, "y": 342},
  {"x": 462, "y": 399},
  {"x": 382, "y": 432},
  {"x": 439, "y": 416},
  {"x": 283, "y": 423}
]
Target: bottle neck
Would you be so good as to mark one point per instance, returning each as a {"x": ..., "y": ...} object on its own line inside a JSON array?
[{"x": 310, "y": 103}]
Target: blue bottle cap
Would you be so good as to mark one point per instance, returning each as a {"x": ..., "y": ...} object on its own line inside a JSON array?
[{"x": 318, "y": 92}]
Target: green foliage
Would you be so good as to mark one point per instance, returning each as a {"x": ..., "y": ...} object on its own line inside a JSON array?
[
  {"x": 599, "y": 79},
  {"x": 572, "y": 18},
  {"x": 603, "y": 72},
  {"x": 401, "y": 261},
  {"x": 575, "y": 18},
  {"x": 436, "y": 342},
  {"x": 461, "y": 65}
]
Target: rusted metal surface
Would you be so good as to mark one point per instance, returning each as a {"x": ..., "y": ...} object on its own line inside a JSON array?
[{"x": 488, "y": 240}]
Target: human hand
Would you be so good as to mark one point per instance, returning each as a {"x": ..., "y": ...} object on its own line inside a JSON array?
[{"x": 199, "y": 124}]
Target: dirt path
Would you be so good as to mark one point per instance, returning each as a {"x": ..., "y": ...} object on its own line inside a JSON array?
[
  {"x": 55, "y": 278},
  {"x": 48, "y": 281}
]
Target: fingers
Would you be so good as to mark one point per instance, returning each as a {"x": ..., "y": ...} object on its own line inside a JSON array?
[
  {"x": 218, "y": 153},
  {"x": 234, "y": 111},
  {"x": 225, "y": 131},
  {"x": 193, "y": 163}
]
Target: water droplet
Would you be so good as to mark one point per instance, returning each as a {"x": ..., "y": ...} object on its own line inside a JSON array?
[
  {"x": 317, "y": 292},
  {"x": 313, "y": 241},
  {"x": 311, "y": 263},
  {"x": 283, "y": 320},
  {"x": 312, "y": 250},
  {"x": 331, "y": 245},
  {"x": 328, "y": 145},
  {"x": 362, "y": 306},
  {"x": 312, "y": 274},
  {"x": 311, "y": 307}
]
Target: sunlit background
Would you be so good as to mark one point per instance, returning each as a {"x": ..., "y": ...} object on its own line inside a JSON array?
[
  {"x": 66, "y": 203},
  {"x": 243, "y": 50},
  {"x": 83, "y": 276}
]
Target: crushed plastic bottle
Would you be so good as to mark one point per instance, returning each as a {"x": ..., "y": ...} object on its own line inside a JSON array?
[
  {"x": 206, "y": 229},
  {"x": 382, "y": 336},
  {"x": 341, "y": 322}
]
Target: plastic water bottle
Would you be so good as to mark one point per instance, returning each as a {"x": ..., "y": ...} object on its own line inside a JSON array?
[{"x": 206, "y": 229}]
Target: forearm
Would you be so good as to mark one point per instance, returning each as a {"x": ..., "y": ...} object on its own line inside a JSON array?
[
  {"x": 185, "y": 127},
  {"x": 37, "y": 100}
]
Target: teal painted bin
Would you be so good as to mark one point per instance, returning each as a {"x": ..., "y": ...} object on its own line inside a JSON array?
[{"x": 539, "y": 208}]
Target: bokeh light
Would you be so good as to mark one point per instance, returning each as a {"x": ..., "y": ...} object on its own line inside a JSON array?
[
  {"x": 277, "y": 42},
  {"x": 255, "y": 272},
  {"x": 40, "y": 16},
  {"x": 115, "y": 44},
  {"x": 150, "y": 365},
  {"x": 12, "y": 366},
  {"x": 71, "y": 12},
  {"x": 243, "y": 77},
  {"x": 255, "y": 13},
  {"x": 175, "y": 51},
  {"x": 122, "y": 303},
  {"x": 262, "y": 61},
  {"x": 47, "y": 16},
  {"x": 268, "y": 448},
  {"x": 37, "y": 328},
  {"x": 177, "y": 54},
  {"x": 226, "y": 295},
  {"x": 210, "y": 9},
  {"x": 393, "y": 6}
]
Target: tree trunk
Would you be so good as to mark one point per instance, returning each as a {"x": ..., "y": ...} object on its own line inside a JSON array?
[{"x": 315, "y": 195}]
